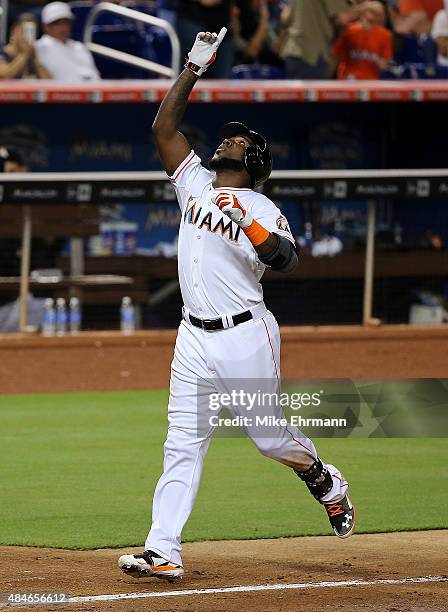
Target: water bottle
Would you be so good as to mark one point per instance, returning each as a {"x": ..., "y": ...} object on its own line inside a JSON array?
[
  {"x": 127, "y": 319},
  {"x": 49, "y": 318},
  {"x": 74, "y": 316},
  {"x": 308, "y": 234},
  {"x": 61, "y": 317}
]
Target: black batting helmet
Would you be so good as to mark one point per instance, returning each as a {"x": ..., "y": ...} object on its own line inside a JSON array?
[{"x": 257, "y": 158}]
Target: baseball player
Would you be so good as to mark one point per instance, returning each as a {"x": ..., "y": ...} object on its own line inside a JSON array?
[{"x": 228, "y": 235}]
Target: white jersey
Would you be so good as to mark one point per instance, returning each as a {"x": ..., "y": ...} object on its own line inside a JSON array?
[{"x": 219, "y": 270}]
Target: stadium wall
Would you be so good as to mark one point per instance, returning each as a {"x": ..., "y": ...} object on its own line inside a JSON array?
[{"x": 108, "y": 361}]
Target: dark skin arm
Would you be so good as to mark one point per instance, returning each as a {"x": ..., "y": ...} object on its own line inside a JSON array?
[
  {"x": 267, "y": 247},
  {"x": 171, "y": 144}
]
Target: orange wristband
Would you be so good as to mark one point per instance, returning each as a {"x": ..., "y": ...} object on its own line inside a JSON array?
[{"x": 256, "y": 233}]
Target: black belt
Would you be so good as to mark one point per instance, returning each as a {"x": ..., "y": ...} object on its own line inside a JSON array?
[{"x": 216, "y": 324}]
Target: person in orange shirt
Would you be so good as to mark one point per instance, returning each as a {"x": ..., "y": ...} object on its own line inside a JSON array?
[
  {"x": 415, "y": 16},
  {"x": 365, "y": 47}
]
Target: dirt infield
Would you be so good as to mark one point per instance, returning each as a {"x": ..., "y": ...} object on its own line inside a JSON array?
[
  {"x": 108, "y": 361},
  {"x": 285, "y": 573},
  {"x": 209, "y": 565}
]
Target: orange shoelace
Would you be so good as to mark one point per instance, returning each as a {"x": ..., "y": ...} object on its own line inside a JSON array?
[{"x": 335, "y": 509}]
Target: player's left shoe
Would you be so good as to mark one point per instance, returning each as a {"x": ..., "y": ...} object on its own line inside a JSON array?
[
  {"x": 149, "y": 564},
  {"x": 341, "y": 515}
]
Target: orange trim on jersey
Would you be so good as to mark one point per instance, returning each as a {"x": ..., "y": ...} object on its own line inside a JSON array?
[
  {"x": 182, "y": 168},
  {"x": 278, "y": 380},
  {"x": 256, "y": 233},
  {"x": 272, "y": 351}
]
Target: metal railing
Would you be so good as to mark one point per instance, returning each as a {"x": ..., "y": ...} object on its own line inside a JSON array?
[
  {"x": 128, "y": 58},
  {"x": 3, "y": 22}
]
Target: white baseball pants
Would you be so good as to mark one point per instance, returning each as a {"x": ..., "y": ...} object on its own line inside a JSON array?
[{"x": 250, "y": 350}]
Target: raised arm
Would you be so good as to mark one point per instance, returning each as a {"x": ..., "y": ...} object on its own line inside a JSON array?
[
  {"x": 172, "y": 145},
  {"x": 14, "y": 69}
]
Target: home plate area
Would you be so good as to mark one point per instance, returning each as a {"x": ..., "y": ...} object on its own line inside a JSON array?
[{"x": 393, "y": 572}]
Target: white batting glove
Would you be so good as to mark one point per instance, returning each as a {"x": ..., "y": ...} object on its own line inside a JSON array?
[
  {"x": 204, "y": 50},
  {"x": 229, "y": 204}
]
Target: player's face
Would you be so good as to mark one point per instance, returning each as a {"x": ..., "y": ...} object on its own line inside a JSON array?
[
  {"x": 59, "y": 29},
  {"x": 232, "y": 148}
]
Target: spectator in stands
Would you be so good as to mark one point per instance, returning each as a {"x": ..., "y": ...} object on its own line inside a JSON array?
[
  {"x": 440, "y": 34},
  {"x": 11, "y": 160},
  {"x": 391, "y": 10},
  {"x": 416, "y": 15},
  {"x": 312, "y": 27},
  {"x": 254, "y": 41},
  {"x": 195, "y": 16},
  {"x": 365, "y": 47},
  {"x": 65, "y": 59},
  {"x": 18, "y": 58}
]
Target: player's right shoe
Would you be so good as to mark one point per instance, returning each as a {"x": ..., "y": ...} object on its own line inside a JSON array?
[
  {"x": 149, "y": 564},
  {"x": 341, "y": 515}
]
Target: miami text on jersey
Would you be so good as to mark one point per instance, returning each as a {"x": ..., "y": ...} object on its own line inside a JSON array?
[{"x": 223, "y": 226}]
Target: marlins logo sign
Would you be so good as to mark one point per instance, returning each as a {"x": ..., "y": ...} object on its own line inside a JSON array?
[{"x": 282, "y": 224}]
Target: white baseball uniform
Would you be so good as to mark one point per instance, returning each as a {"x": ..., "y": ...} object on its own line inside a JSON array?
[{"x": 219, "y": 273}]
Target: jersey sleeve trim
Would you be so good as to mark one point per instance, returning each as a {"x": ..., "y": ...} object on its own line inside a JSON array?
[
  {"x": 285, "y": 234},
  {"x": 182, "y": 166}
]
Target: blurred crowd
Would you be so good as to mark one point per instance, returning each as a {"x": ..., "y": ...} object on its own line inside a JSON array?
[{"x": 293, "y": 39}]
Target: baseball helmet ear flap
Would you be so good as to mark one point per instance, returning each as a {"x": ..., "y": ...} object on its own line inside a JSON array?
[
  {"x": 257, "y": 158},
  {"x": 258, "y": 162}
]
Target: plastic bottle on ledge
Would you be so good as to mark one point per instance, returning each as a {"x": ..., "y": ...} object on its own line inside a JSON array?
[
  {"x": 61, "y": 317},
  {"x": 74, "y": 316},
  {"x": 308, "y": 235},
  {"x": 49, "y": 318},
  {"x": 127, "y": 319}
]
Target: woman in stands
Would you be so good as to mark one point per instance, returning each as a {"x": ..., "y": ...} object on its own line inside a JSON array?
[{"x": 18, "y": 58}]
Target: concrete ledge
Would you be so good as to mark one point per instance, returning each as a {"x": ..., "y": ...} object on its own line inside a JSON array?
[
  {"x": 168, "y": 336},
  {"x": 109, "y": 361}
]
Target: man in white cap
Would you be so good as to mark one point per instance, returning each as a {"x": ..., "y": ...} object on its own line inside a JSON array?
[
  {"x": 440, "y": 34},
  {"x": 64, "y": 58}
]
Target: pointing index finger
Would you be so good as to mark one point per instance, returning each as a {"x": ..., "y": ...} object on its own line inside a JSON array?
[{"x": 222, "y": 33}]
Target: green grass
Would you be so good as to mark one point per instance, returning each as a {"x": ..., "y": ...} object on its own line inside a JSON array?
[{"x": 78, "y": 471}]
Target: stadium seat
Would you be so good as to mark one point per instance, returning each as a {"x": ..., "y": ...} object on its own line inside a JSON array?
[
  {"x": 157, "y": 46},
  {"x": 414, "y": 71},
  {"x": 80, "y": 10},
  {"x": 123, "y": 34},
  {"x": 123, "y": 37},
  {"x": 417, "y": 50}
]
